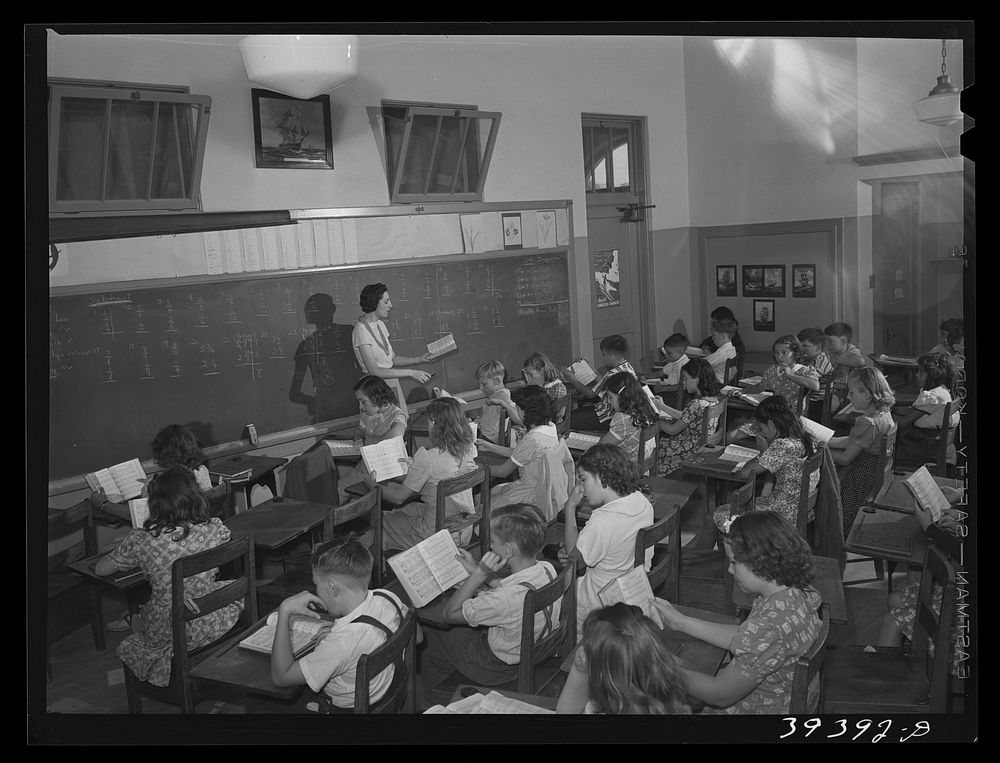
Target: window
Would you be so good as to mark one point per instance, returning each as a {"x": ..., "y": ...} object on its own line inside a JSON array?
[
  {"x": 125, "y": 148},
  {"x": 437, "y": 153},
  {"x": 606, "y": 157}
]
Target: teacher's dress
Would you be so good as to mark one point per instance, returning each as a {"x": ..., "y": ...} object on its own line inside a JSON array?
[{"x": 376, "y": 336}]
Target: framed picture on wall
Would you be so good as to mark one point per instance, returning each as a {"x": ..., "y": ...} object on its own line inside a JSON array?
[
  {"x": 763, "y": 315},
  {"x": 292, "y": 134},
  {"x": 511, "y": 230},
  {"x": 774, "y": 281},
  {"x": 725, "y": 281},
  {"x": 753, "y": 281},
  {"x": 803, "y": 280}
]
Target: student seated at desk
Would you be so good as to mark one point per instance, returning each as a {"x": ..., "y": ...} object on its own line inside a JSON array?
[
  {"x": 723, "y": 331},
  {"x": 542, "y": 372},
  {"x": 490, "y": 655},
  {"x": 787, "y": 377},
  {"x": 341, "y": 570},
  {"x": 607, "y": 479},
  {"x": 920, "y": 425},
  {"x": 536, "y": 410},
  {"x": 451, "y": 452},
  {"x": 379, "y": 418},
  {"x": 623, "y": 667},
  {"x": 769, "y": 559},
  {"x": 710, "y": 344},
  {"x": 856, "y": 455},
  {"x": 614, "y": 350},
  {"x": 178, "y": 525},
  {"x": 674, "y": 351},
  {"x": 844, "y": 356},
  {"x": 633, "y": 412},
  {"x": 812, "y": 342},
  {"x": 684, "y": 430},
  {"x": 952, "y": 341},
  {"x": 490, "y": 376}
]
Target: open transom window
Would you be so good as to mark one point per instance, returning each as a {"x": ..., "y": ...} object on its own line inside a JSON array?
[
  {"x": 125, "y": 148},
  {"x": 437, "y": 153}
]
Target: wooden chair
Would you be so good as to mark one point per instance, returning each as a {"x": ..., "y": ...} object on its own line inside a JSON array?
[
  {"x": 731, "y": 371},
  {"x": 562, "y": 408},
  {"x": 885, "y": 447},
  {"x": 221, "y": 501},
  {"x": 716, "y": 414},
  {"x": 799, "y": 403},
  {"x": 666, "y": 558},
  {"x": 399, "y": 650},
  {"x": 469, "y": 481},
  {"x": 826, "y": 403},
  {"x": 182, "y": 689},
  {"x": 807, "y": 681},
  {"x": 807, "y": 500},
  {"x": 739, "y": 364},
  {"x": 945, "y": 436},
  {"x": 649, "y": 443},
  {"x": 888, "y": 680},
  {"x": 62, "y": 581},
  {"x": 367, "y": 507},
  {"x": 503, "y": 428}
]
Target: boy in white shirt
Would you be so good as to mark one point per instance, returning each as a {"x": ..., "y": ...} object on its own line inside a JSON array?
[
  {"x": 342, "y": 569},
  {"x": 606, "y": 477},
  {"x": 490, "y": 376},
  {"x": 614, "y": 350},
  {"x": 675, "y": 356},
  {"x": 490, "y": 656},
  {"x": 722, "y": 335}
]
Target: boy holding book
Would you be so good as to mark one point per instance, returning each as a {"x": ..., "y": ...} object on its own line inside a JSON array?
[
  {"x": 490, "y": 656},
  {"x": 614, "y": 350},
  {"x": 341, "y": 570}
]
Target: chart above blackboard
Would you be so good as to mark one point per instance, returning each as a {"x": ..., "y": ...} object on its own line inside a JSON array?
[{"x": 220, "y": 353}]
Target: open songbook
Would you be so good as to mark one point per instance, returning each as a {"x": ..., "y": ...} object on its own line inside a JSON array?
[
  {"x": 926, "y": 492},
  {"x": 119, "y": 482},
  {"x": 729, "y": 389},
  {"x": 694, "y": 352},
  {"x": 580, "y": 441},
  {"x": 891, "y": 359},
  {"x": 751, "y": 381},
  {"x": 305, "y": 633},
  {"x": 493, "y": 703},
  {"x": 138, "y": 508},
  {"x": 739, "y": 455},
  {"x": 429, "y": 568},
  {"x": 816, "y": 430},
  {"x": 438, "y": 392},
  {"x": 387, "y": 459},
  {"x": 583, "y": 371},
  {"x": 653, "y": 401},
  {"x": 343, "y": 448},
  {"x": 754, "y": 398},
  {"x": 632, "y": 588},
  {"x": 443, "y": 345}
]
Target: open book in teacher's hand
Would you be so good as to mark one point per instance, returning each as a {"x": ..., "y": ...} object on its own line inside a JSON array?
[
  {"x": 429, "y": 568},
  {"x": 631, "y": 588},
  {"x": 305, "y": 633},
  {"x": 119, "y": 482},
  {"x": 441, "y": 346},
  {"x": 387, "y": 459},
  {"x": 582, "y": 371}
]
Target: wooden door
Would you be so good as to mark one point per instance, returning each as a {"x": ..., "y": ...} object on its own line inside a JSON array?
[{"x": 895, "y": 265}]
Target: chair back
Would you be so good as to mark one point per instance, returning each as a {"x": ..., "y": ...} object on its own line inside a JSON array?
[
  {"x": 562, "y": 408},
  {"x": 367, "y": 507},
  {"x": 560, "y": 639},
  {"x": 312, "y": 476},
  {"x": 807, "y": 681},
  {"x": 731, "y": 373},
  {"x": 931, "y": 626},
  {"x": 220, "y": 500},
  {"x": 503, "y": 428},
  {"x": 648, "y": 537},
  {"x": 810, "y": 466},
  {"x": 452, "y": 486},
  {"x": 946, "y": 437},
  {"x": 798, "y": 405},
  {"x": 66, "y": 522},
  {"x": 556, "y": 480},
  {"x": 399, "y": 650},
  {"x": 713, "y": 423},
  {"x": 240, "y": 551},
  {"x": 739, "y": 364},
  {"x": 886, "y": 446},
  {"x": 744, "y": 497},
  {"x": 826, "y": 388},
  {"x": 649, "y": 441}
]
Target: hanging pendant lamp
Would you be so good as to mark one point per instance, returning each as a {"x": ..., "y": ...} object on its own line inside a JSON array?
[
  {"x": 942, "y": 105},
  {"x": 300, "y": 66}
]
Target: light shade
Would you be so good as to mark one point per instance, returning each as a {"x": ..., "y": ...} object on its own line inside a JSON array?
[{"x": 300, "y": 66}]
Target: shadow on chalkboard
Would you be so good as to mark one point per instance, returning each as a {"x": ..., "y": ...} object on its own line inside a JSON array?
[{"x": 202, "y": 433}]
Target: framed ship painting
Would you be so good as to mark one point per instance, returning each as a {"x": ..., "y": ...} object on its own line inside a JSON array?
[
  {"x": 289, "y": 133},
  {"x": 763, "y": 315},
  {"x": 725, "y": 280},
  {"x": 803, "y": 280}
]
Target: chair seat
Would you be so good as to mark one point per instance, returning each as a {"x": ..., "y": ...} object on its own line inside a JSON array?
[{"x": 884, "y": 681}]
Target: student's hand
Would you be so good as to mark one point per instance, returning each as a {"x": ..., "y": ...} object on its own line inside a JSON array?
[
  {"x": 419, "y": 376},
  {"x": 924, "y": 518},
  {"x": 562, "y": 555},
  {"x": 425, "y": 358},
  {"x": 358, "y": 442},
  {"x": 575, "y": 498},
  {"x": 954, "y": 495},
  {"x": 744, "y": 473},
  {"x": 371, "y": 478},
  {"x": 492, "y": 563},
  {"x": 663, "y": 613},
  {"x": 299, "y": 605},
  {"x": 487, "y": 446},
  {"x": 466, "y": 560},
  {"x": 491, "y": 401}
]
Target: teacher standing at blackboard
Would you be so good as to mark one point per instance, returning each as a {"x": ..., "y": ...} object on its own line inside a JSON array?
[{"x": 372, "y": 347}]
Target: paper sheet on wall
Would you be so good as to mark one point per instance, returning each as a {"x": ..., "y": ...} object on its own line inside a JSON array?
[
  {"x": 393, "y": 238},
  {"x": 322, "y": 241},
  {"x": 213, "y": 252},
  {"x": 233, "y": 249},
  {"x": 529, "y": 229},
  {"x": 251, "y": 250},
  {"x": 335, "y": 238},
  {"x": 307, "y": 252},
  {"x": 289, "y": 247},
  {"x": 562, "y": 227},
  {"x": 545, "y": 222},
  {"x": 472, "y": 233},
  {"x": 269, "y": 249},
  {"x": 350, "y": 229},
  {"x": 492, "y": 232}
]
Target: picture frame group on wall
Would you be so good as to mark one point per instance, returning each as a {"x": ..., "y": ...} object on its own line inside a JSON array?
[
  {"x": 803, "y": 280},
  {"x": 290, "y": 133}
]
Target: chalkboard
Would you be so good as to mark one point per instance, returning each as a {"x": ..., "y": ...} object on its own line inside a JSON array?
[{"x": 219, "y": 355}]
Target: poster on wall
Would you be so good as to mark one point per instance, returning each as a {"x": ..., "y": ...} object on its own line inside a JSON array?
[
  {"x": 725, "y": 280},
  {"x": 607, "y": 277},
  {"x": 511, "y": 230},
  {"x": 753, "y": 281},
  {"x": 763, "y": 315},
  {"x": 803, "y": 280},
  {"x": 774, "y": 281}
]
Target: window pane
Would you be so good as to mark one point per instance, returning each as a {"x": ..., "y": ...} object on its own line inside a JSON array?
[
  {"x": 418, "y": 153},
  {"x": 600, "y": 159},
  {"x": 81, "y": 148},
  {"x": 588, "y": 169},
  {"x": 446, "y": 156},
  {"x": 620, "y": 158},
  {"x": 394, "y": 122},
  {"x": 475, "y": 154},
  {"x": 128, "y": 162},
  {"x": 173, "y": 155}
]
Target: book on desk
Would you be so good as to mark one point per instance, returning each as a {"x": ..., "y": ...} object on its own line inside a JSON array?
[
  {"x": 739, "y": 455},
  {"x": 305, "y": 633}
]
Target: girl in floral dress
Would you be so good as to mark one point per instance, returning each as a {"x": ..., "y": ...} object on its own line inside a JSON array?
[
  {"x": 178, "y": 525},
  {"x": 684, "y": 431}
]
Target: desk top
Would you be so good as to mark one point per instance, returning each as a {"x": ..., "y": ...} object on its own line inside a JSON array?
[
  {"x": 467, "y": 690},
  {"x": 261, "y": 465},
  {"x": 278, "y": 521},
  {"x": 887, "y": 534},
  {"x": 123, "y": 581},
  {"x": 705, "y": 462},
  {"x": 896, "y": 496}
]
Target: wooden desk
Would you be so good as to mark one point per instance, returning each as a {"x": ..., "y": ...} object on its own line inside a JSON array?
[
  {"x": 278, "y": 521},
  {"x": 705, "y": 463},
  {"x": 896, "y": 496},
  {"x": 887, "y": 534},
  {"x": 467, "y": 690},
  {"x": 131, "y": 582},
  {"x": 359, "y": 489},
  {"x": 263, "y": 471}
]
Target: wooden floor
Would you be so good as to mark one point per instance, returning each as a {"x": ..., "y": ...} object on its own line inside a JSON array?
[{"x": 89, "y": 681}]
